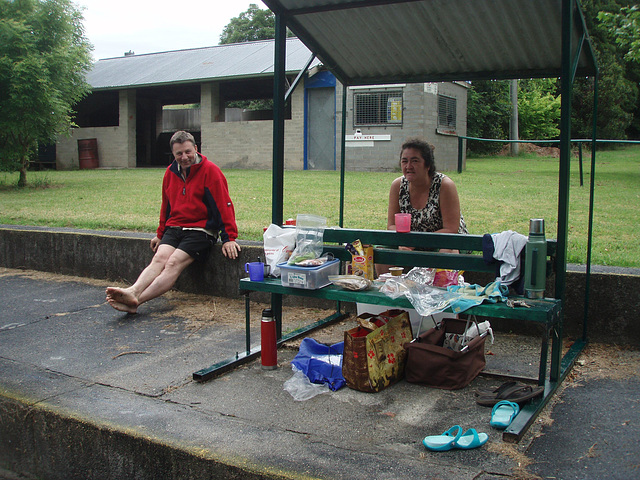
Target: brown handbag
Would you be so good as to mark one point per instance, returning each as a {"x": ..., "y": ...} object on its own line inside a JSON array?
[
  {"x": 374, "y": 358},
  {"x": 430, "y": 363}
]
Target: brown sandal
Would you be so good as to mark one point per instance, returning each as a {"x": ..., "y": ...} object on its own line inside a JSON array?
[{"x": 516, "y": 392}]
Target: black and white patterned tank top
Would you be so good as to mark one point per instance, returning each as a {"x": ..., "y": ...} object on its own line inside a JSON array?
[{"x": 428, "y": 219}]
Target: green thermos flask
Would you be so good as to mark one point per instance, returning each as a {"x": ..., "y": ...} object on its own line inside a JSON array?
[{"x": 535, "y": 260}]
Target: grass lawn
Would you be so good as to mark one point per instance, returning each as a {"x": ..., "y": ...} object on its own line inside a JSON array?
[{"x": 496, "y": 194}]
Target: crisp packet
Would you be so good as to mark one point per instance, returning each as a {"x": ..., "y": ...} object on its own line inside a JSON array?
[{"x": 446, "y": 278}]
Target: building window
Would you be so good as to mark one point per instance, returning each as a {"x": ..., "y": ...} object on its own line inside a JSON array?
[
  {"x": 446, "y": 112},
  {"x": 377, "y": 108}
]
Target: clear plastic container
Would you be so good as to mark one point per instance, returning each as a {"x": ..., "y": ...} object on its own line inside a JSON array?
[{"x": 309, "y": 278}]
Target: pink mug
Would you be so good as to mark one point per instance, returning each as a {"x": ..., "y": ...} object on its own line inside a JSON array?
[{"x": 403, "y": 222}]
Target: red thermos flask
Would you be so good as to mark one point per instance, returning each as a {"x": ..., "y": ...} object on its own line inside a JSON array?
[{"x": 268, "y": 347}]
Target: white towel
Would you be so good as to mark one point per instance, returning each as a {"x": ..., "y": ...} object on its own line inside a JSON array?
[{"x": 507, "y": 249}]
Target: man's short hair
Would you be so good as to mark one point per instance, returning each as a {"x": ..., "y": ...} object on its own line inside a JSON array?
[{"x": 180, "y": 137}]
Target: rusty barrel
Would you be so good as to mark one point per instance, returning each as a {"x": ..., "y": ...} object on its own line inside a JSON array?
[{"x": 88, "y": 153}]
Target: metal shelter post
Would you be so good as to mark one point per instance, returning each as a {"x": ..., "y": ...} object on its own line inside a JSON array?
[
  {"x": 565, "y": 170},
  {"x": 592, "y": 183},
  {"x": 342, "y": 152},
  {"x": 277, "y": 174}
]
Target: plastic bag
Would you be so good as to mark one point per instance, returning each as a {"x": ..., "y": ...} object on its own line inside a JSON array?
[
  {"x": 421, "y": 275},
  {"x": 438, "y": 277},
  {"x": 426, "y": 299},
  {"x": 315, "y": 262},
  {"x": 278, "y": 244},
  {"x": 317, "y": 368},
  {"x": 458, "y": 341},
  {"x": 394, "y": 288},
  {"x": 320, "y": 363},
  {"x": 309, "y": 238},
  {"x": 301, "y": 388}
]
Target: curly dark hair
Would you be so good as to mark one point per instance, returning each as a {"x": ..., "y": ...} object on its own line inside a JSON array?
[{"x": 426, "y": 150}]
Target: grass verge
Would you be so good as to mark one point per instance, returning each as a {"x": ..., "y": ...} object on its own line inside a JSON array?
[{"x": 496, "y": 194}]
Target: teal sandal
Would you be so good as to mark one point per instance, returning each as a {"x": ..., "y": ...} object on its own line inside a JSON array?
[
  {"x": 503, "y": 413},
  {"x": 471, "y": 439},
  {"x": 444, "y": 442}
]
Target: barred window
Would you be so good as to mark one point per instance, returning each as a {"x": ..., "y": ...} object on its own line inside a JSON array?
[
  {"x": 446, "y": 112},
  {"x": 377, "y": 108}
]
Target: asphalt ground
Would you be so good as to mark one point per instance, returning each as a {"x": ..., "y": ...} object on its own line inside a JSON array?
[{"x": 67, "y": 354}]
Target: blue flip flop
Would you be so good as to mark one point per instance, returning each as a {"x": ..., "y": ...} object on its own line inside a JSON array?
[
  {"x": 444, "y": 442},
  {"x": 471, "y": 439},
  {"x": 503, "y": 413}
]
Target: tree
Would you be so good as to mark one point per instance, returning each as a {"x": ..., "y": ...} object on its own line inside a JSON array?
[
  {"x": 538, "y": 109},
  {"x": 254, "y": 24},
  {"x": 624, "y": 29},
  {"x": 488, "y": 114},
  {"x": 618, "y": 100},
  {"x": 625, "y": 26},
  {"x": 615, "y": 41},
  {"x": 44, "y": 58}
]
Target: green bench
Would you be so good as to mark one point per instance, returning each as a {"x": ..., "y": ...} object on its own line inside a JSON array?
[{"x": 546, "y": 312}]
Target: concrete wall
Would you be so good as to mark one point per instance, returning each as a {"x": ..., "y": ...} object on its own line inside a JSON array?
[
  {"x": 116, "y": 145},
  {"x": 420, "y": 119},
  {"x": 615, "y": 298},
  {"x": 248, "y": 144}
]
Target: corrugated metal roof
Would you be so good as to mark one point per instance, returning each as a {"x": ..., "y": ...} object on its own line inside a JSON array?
[
  {"x": 239, "y": 60},
  {"x": 365, "y": 42}
]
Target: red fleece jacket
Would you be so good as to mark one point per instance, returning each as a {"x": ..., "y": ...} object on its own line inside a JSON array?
[{"x": 201, "y": 201}]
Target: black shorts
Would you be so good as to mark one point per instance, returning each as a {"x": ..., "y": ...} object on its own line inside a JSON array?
[{"x": 196, "y": 243}]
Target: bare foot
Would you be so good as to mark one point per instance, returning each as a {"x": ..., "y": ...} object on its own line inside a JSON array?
[
  {"x": 122, "y": 296},
  {"x": 121, "y": 306}
]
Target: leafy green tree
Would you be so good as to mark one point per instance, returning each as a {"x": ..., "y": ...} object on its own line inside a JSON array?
[
  {"x": 618, "y": 100},
  {"x": 488, "y": 114},
  {"x": 254, "y": 24},
  {"x": 44, "y": 57},
  {"x": 625, "y": 26},
  {"x": 538, "y": 109}
]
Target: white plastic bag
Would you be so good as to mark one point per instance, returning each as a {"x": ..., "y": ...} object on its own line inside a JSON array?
[
  {"x": 278, "y": 244},
  {"x": 301, "y": 388},
  {"x": 309, "y": 237}
]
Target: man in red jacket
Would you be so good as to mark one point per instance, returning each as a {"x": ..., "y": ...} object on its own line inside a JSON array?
[{"x": 196, "y": 208}]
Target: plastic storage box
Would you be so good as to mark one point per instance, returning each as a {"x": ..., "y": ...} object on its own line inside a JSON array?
[{"x": 310, "y": 278}]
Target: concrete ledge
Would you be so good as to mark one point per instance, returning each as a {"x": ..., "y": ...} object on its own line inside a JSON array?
[
  {"x": 120, "y": 256},
  {"x": 49, "y": 443}
]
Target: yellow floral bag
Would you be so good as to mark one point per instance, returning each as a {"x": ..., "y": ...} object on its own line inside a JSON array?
[{"x": 375, "y": 359}]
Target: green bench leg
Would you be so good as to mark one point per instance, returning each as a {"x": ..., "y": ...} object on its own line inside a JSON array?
[
  {"x": 530, "y": 411},
  {"x": 247, "y": 320},
  {"x": 251, "y": 354},
  {"x": 544, "y": 352}
]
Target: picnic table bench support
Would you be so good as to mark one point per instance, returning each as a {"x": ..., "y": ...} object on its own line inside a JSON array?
[
  {"x": 530, "y": 411},
  {"x": 250, "y": 354},
  {"x": 558, "y": 367}
]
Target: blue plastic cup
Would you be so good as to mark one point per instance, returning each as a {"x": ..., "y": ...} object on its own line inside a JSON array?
[{"x": 255, "y": 271}]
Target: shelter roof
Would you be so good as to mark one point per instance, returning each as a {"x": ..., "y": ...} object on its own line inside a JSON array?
[
  {"x": 232, "y": 61},
  {"x": 383, "y": 41}
]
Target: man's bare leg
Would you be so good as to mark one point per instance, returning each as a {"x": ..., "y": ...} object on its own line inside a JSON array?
[
  {"x": 127, "y": 299},
  {"x": 176, "y": 264}
]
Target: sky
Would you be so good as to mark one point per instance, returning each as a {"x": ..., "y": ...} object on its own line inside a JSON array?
[{"x": 148, "y": 26}]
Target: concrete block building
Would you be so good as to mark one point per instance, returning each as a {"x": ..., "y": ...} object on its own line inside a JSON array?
[{"x": 222, "y": 95}]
